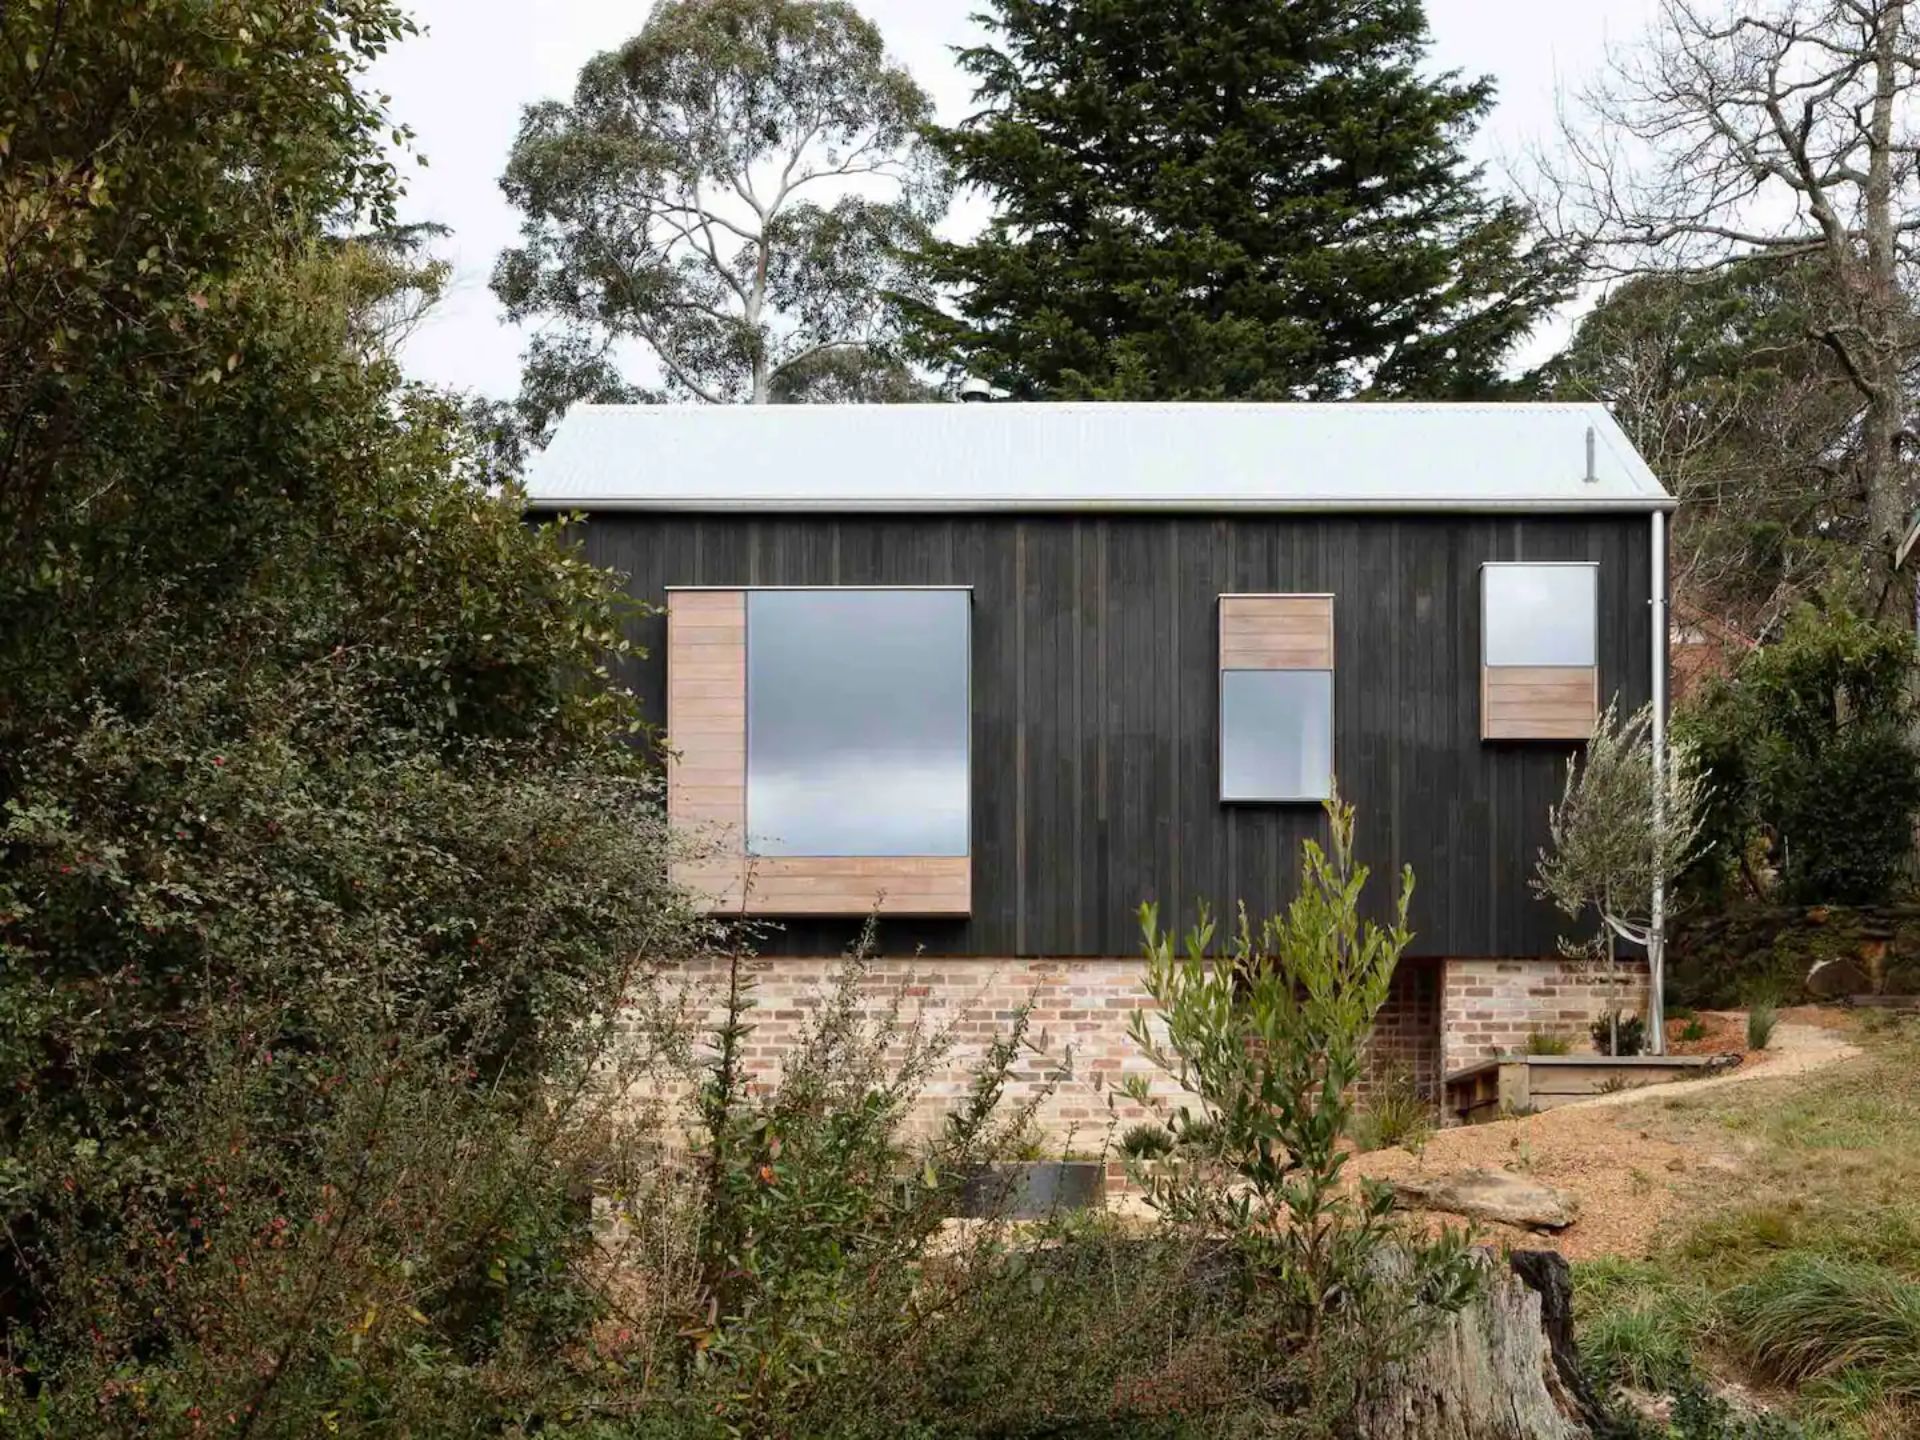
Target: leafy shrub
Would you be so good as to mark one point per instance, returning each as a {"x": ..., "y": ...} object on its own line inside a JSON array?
[
  {"x": 1698, "y": 1415},
  {"x": 325, "y": 861},
  {"x": 812, "y": 1214},
  {"x": 1694, "y": 1029},
  {"x": 1760, "y": 1022},
  {"x": 1146, "y": 1141},
  {"x": 1271, "y": 1036},
  {"x": 1196, "y": 1135},
  {"x": 1548, "y": 1042},
  {"x": 1087, "y": 1326},
  {"x": 1809, "y": 747},
  {"x": 1626, "y": 1036}
]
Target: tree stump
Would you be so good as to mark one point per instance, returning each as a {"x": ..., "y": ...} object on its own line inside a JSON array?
[{"x": 1503, "y": 1368}]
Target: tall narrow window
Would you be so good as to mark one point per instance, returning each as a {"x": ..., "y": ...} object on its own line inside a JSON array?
[
  {"x": 1539, "y": 672},
  {"x": 1276, "y": 697}
]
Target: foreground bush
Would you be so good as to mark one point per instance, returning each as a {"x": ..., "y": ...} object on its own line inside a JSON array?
[
  {"x": 325, "y": 861},
  {"x": 1270, "y": 1037}
]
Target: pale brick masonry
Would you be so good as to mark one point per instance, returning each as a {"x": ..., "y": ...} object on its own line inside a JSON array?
[
  {"x": 1082, "y": 1052},
  {"x": 1406, "y": 1033},
  {"x": 1490, "y": 1007},
  {"x": 1079, "y": 1051}
]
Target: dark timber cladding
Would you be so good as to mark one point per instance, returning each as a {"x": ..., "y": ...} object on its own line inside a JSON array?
[{"x": 1095, "y": 705}]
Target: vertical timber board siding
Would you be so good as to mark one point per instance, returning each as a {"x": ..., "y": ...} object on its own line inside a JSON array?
[
  {"x": 1205, "y": 547},
  {"x": 707, "y": 736},
  {"x": 1095, "y": 670}
]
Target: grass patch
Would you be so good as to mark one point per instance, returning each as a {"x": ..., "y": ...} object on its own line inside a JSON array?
[
  {"x": 1814, "y": 1317},
  {"x": 1638, "y": 1323},
  {"x": 1397, "y": 1115},
  {"x": 1803, "y": 1272}
]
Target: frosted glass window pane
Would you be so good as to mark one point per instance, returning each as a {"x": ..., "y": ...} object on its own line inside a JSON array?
[
  {"x": 1276, "y": 734},
  {"x": 857, "y": 722},
  {"x": 1540, "y": 614}
]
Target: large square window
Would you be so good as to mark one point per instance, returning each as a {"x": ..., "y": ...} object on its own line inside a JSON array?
[
  {"x": 1276, "y": 734},
  {"x": 1539, "y": 615},
  {"x": 857, "y": 722}
]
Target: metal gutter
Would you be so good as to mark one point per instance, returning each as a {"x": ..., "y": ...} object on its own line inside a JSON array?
[{"x": 1384, "y": 505}]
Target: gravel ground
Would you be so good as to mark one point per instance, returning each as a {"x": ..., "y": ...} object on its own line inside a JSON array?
[{"x": 1608, "y": 1151}]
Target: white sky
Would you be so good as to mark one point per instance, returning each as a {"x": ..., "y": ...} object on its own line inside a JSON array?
[{"x": 462, "y": 86}]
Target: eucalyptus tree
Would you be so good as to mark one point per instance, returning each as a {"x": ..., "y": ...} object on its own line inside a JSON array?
[
  {"x": 719, "y": 211},
  {"x": 1746, "y": 417}
]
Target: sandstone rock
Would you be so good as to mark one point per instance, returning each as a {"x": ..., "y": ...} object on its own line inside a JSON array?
[
  {"x": 1496, "y": 1195},
  {"x": 1832, "y": 979}
]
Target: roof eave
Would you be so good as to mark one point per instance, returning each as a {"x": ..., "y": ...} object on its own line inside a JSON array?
[{"x": 1390, "y": 505}]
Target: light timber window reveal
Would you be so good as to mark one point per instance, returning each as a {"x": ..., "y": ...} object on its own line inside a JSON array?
[
  {"x": 1540, "y": 664},
  {"x": 851, "y": 783},
  {"x": 707, "y": 733},
  {"x": 1276, "y": 698}
]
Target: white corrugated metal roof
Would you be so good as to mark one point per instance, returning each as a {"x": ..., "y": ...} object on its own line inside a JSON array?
[{"x": 1005, "y": 456}]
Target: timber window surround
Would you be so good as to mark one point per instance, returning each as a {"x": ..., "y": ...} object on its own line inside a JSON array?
[
  {"x": 1539, "y": 649},
  {"x": 1276, "y": 698},
  {"x": 824, "y": 765}
]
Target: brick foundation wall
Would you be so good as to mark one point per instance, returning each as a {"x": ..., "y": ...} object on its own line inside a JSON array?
[
  {"x": 1079, "y": 1023},
  {"x": 1406, "y": 1034},
  {"x": 1490, "y": 1007},
  {"x": 1080, "y": 1018}
]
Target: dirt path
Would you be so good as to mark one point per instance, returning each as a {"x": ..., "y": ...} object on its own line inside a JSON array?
[
  {"x": 1797, "y": 1048},
  {"x": 1606, "y": 1151}
]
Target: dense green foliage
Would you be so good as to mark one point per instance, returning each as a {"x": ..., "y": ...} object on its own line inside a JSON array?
[
  {"x": 1618, "y": 1034},
  {"x": 1227, "y": 199},
  {"x": 322, "y": 857},
  {"x": 1733, "y": 955},
  {"x": 728, "y": 195},
  {"x": 149, "y": 146},
  {"x": 1810, "y": 761}
]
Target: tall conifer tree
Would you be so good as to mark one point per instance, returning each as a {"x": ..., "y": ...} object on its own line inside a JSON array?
[{"x": 1228, "y": 199}]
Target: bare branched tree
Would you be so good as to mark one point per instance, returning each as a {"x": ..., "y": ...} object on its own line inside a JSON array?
[
  {"x": 1746, "y": 418},
  {"x": 1777, "y": 131}
]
